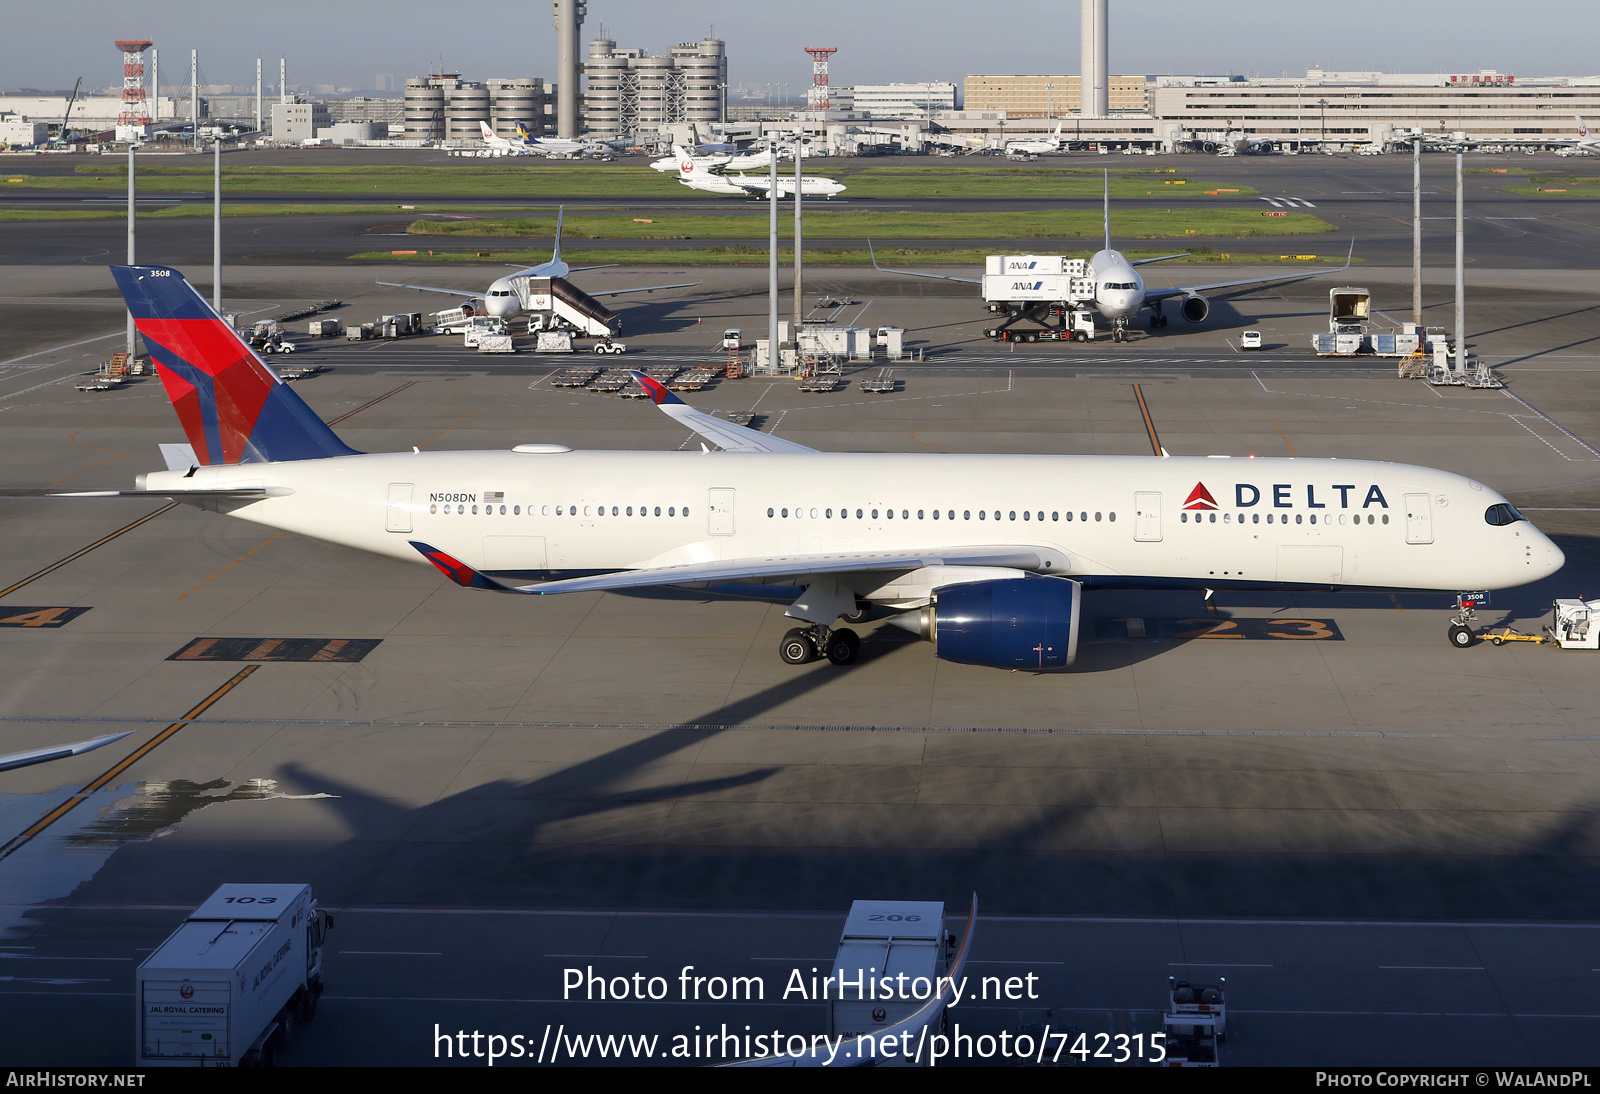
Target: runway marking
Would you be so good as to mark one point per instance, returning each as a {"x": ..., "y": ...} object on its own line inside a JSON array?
[
  {"x": 81, "y": 551},
  {"x": 441, "y": 432},
  {"x": 388, "y": 953},
  {"x": 231, "y": 565},
  {"x": 1437, "y": 968},
  {"x": 39, "y": 617},
  {"x": 1284, "y": 435},
  {"x": 298, "y": 650},
  {"x": 72, "y": 438},
  {"x": 1149, "y": 426},
  {"x": 374, "y": 402},
  {"x": 16, "y": 842}
]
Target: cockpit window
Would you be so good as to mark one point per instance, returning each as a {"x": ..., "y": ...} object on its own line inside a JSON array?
[{"x": 1502, "y": 514}]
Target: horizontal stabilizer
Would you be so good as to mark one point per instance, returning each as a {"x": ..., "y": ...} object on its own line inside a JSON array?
[{"x": 33, "y": 756}]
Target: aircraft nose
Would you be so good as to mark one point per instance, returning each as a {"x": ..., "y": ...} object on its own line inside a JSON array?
[{"x": 1548, "y": 558}]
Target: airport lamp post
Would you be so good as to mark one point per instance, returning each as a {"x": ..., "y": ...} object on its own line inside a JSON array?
[
  {"x": 772, "y": 262},
  {"x": 799, "y": 307},
  {"x": 1461, "y": 277},
  {"x": 1416, "y": 232},
  {"x": 130, "y": 240},
  {"x": 216, "y": 227}
]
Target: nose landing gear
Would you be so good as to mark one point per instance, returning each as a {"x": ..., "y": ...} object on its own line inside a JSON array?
[{"x": 1460, "y": 632}]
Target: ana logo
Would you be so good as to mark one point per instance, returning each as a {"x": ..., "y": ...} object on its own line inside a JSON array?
[
  {"x": 187, "y": 991},
  {"x": 1027, "y": 286},
  {"x": 1023, "y": 265},
  {"x": 1200, "y": 498}
]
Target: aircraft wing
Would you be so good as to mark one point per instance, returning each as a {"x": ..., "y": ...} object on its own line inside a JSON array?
[
  {"x": 726, "y": 571},
  {"x": 725, "y": 435},
  {"x": 33, "y": 756},
  {"x": 1162, "y": 258},
  {"x": 915, "y": 273},
  {"x": 431, "y": 288},
  {"x": 1301, "y": 275},
  {"x": 646, "y": 288}
]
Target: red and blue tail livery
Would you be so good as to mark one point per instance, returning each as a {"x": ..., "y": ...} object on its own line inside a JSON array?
[{"x": 234, "y": 408}]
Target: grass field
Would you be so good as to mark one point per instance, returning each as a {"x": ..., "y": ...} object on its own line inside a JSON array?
[
  {"x": 204, "y": 210},
  {"x": 745, "y": 255},
  {"x": 1568, "y": 186},
  {"x": 1056, "y": 224},
  {"x": 863, "y": 177}
]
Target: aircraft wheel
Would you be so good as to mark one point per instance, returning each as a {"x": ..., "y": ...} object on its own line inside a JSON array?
[
  {"x": 796, "y": 648},
  {"x": 843, "y": 646},
  {"x": 1460, "y": 637},
  {"x": 859, "y": 615}
]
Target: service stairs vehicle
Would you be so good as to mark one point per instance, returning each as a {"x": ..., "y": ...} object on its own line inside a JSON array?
[
  {"x": 230, "y": 985},
  {"x": 564, "y": 305}
]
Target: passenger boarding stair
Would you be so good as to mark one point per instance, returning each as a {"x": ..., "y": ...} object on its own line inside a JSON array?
[{"x": 567, "y": 302}]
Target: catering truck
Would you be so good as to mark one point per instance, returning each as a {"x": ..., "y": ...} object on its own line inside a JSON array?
[{"x": 231, "y": 984}]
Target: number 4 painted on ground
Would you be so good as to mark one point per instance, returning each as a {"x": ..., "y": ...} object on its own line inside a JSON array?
[{"x": 39, "y": 617}]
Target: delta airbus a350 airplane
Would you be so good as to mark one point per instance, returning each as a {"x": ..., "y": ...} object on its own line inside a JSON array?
[{"x": 987, "y": 555}]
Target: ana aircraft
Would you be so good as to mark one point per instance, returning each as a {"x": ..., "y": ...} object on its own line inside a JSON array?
[
  {"x": 1120, "y": 292},
  {"x": 987, "y": 555},
  {"x": 692, "y": 175},
  {"x": 504, "y": 297}
]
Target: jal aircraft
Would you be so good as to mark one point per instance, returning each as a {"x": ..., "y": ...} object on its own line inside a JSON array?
[
  {"x": 1034, "y": 147},
  {"x": 696, "y": 177},
  {"x": 1120, "y": 292},
  {"x": 986, "y": 555},
  {"x": 501, "y": 298}
]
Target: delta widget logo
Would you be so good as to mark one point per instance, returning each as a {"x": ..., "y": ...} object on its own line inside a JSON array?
[{"x": 1200, "y": 498}]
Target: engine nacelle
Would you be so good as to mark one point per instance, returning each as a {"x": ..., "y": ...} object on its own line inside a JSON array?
[
  {"x": 1018, "y": 623},
  {"x": 1195, "y": 309}
]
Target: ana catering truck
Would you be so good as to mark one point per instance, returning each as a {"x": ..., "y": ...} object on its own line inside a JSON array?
[{"x": 230, "y": 985}]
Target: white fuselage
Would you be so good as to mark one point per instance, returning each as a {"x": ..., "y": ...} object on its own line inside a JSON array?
[
  {"x": 566, "y": 513},
  {"x": 1119, "y": 290}
]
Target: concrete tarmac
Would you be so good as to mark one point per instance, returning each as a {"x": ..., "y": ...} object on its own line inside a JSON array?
[{"x": 1387, "y": 843}]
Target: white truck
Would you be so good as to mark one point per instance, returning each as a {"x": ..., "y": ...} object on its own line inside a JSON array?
[
  {"x": 884, "y": 938},
  {"x": 230, "y": 985}
]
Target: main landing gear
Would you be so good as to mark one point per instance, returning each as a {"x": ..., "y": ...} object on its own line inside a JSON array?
[{"x": 803, "y": 645}]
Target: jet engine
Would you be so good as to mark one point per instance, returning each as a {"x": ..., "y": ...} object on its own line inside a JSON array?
[
  {"x": 1017, "y": 623},
  {"x": 1195, "y": 309}
]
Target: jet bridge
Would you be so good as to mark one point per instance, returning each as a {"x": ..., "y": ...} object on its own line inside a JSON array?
[{"x": 556, "y": 303}]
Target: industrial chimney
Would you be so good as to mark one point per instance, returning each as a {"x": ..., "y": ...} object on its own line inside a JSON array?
[{"x": 1094, "y": 83}]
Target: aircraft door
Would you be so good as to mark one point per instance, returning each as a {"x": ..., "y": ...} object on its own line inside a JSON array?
[
  {"x": 1147, "y": 517},
  {"x": 399, "y": 516},
  {"x": 719, "y": 511},
  {"x": 1419, "y": 518}
]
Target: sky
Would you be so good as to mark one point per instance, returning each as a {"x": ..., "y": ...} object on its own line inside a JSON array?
[{"x": 346, "y": 44}]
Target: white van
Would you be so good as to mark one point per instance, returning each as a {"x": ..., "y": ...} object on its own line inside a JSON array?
[{"x": 1250, "y": 339}]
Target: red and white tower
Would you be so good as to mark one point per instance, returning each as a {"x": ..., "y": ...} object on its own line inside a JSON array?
[
  {"x": 817, "y": 93},
  {"x": 133, "y": 123}
]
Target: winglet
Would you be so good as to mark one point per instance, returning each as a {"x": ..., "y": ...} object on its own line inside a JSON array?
[
  {"x": 561, "y": 214},
  {"x": 1351, "y": 257},
  {"x": 658, "y": 391},
  {"x": 459, "y": 571}
]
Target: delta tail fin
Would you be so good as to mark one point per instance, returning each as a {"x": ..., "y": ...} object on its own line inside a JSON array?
[{"x": 234, "y": 409}]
